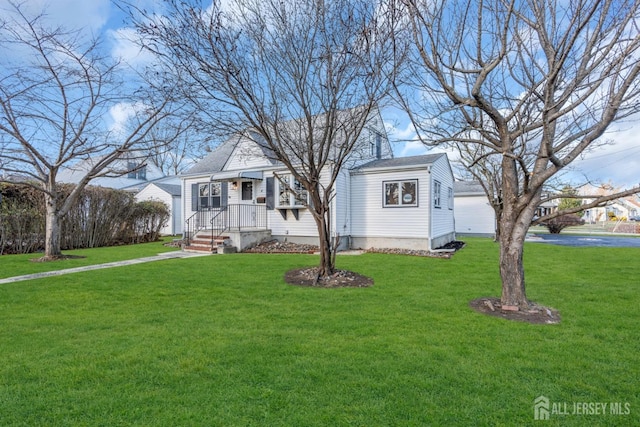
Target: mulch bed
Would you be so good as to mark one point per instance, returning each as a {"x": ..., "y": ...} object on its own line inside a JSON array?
[
  {"x": 537, "y": 314},
  {"x": 451, "y": 246},
  {"x": 56, "y": 258},
  {"x": 340, "y": 279},
  {"x": 277, "y": 247}
]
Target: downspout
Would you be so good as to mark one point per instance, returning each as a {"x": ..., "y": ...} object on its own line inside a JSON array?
[
  {"x": 347, "y": 208},
  {"x": 430, "y": 208},
  {"x": 183, "y": 197}
]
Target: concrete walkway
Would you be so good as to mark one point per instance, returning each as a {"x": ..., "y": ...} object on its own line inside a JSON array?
[{"x": 159, "y": 257}]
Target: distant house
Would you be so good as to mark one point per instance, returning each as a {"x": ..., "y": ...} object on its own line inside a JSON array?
[
  {"x": 144, "y": 180},
  {"x": 380, "y": 201},
  {"x": 473, "y": 213},
  {"x": 141, "y": 173},
  {"x": 620, "y": 209},
  {"x": 169, "y": 194}
]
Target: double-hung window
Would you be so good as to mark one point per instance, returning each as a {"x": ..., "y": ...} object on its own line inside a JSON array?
[
  {"x": 204, "y": 191},
  {"x": 209, "y": 195},
  {"x": 436, "y": 194}
]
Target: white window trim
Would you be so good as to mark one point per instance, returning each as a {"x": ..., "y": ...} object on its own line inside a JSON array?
[
  {"x": 401, "y": 201},
  {"x": 437, "y": 194},
  {"x": 209, "y": 196},
  {"x": 292, "y": 196}
]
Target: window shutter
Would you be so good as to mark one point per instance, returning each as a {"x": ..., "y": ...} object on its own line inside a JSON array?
[
  {"x": 224, "y": 194},
  {"x": 270, "y": 202},
  {"x": 194, "y": 197}
]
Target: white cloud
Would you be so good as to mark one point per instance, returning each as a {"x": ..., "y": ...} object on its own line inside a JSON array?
[
  {"x": 121, "y": 114},
  {"x": 71, "y": 14},
  {"x": 127, "y": 49},
  {"x": 617, "y": 162},
  {"x": 405, "y": 142}
]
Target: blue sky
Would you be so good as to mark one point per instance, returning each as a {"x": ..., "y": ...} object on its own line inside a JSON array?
[{"x": 617, "y": 163}]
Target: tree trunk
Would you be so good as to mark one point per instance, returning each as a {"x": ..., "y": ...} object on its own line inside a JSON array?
[
  {"x": 327, "y": 266},
  {"x": 514, "y": 221},
  {"x": 52, "y": 229},
  {"x": 512, "y": 271},
  {"x": 513, "y": 228}
]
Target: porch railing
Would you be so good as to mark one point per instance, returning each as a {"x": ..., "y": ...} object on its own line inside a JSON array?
[{"x": 235, "y": 217}]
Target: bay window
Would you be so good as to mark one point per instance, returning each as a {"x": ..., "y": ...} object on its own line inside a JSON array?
[{"x": 291, "y": 193}]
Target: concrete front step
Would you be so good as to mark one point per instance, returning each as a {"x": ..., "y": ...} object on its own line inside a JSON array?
[
  {"x": 197, "y": 248},
  {"x": 219, "y": 249},
  {"x": 204, "y": 244}
]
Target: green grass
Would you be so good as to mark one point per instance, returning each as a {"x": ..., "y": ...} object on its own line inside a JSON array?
[
  {"x": 17, "y": 265},
  {"x": 223, "y": 341}
]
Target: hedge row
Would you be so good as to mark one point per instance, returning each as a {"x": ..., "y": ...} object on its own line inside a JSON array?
[{"x": 101, "y": 217}]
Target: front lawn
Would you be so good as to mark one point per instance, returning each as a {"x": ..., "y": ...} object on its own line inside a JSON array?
[
  {"x": 18, "y": 265},
  {"x": 223, "y": 341}
]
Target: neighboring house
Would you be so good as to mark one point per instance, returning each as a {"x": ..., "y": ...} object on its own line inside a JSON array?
[
  {"x": 622, "y": 208},
  {"x": 145, "y": 180},
  {"x": 379, "y": 201},
  {"x": 171, "y": 195},
  {"x": 546, "y": 208},
  {"x": 473, "y": 213},
  {"x": 135, "y": 179}
]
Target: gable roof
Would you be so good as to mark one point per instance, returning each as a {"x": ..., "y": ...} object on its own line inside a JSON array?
[
  {"x": 72, "y": 174},
  {"x": 219, "y": 157},
  {"x": 468, "y": 188},
  {"x": 172, "y": 189},
  {"x": 401, "y": 162},
  {"x": 215, "y": 160}
]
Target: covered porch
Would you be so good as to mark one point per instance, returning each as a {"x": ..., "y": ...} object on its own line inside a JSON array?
[{"x": 234, "y": 225}]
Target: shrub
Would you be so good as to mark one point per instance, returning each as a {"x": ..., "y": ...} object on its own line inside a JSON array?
[
  {"x": 556, "y": 225},
  {"x": 145, "y": 221},
  {"x": 101, "y": 217},
  {"x": 21, "y": 219}
]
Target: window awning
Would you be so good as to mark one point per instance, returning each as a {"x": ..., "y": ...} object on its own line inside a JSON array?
[{"x": 234, "y": 175}]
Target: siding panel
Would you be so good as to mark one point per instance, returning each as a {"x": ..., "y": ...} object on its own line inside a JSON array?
[
  {"x": 371, "y": 219},
  {"x": 474, "y": 215},
  {"x": 443, "y": 217}
]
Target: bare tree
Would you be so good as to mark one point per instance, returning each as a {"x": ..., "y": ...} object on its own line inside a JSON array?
[
  {"x": 177, "y": 144},
  {"x": 299, "y": 78},
  {"x": 56, "y": 93},
  {"x": 532, "y": 84}
]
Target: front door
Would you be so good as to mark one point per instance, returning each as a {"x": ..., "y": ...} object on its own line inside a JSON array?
[
  {"x": 248, "y": 199},
  {"x": 247, "y": 192}
]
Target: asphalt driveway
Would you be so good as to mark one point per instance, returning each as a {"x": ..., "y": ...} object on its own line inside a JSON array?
[{"x": 586, "y": 241}]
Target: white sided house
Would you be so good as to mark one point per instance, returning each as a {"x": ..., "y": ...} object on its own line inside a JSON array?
[
  {"x": 235, "y": 195},
  {"x": 474, "y": 214},
  {"x": 170, "y": 195},
  {"x": 405, "y": 203},
  {"x": 132, "y": 176}
]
